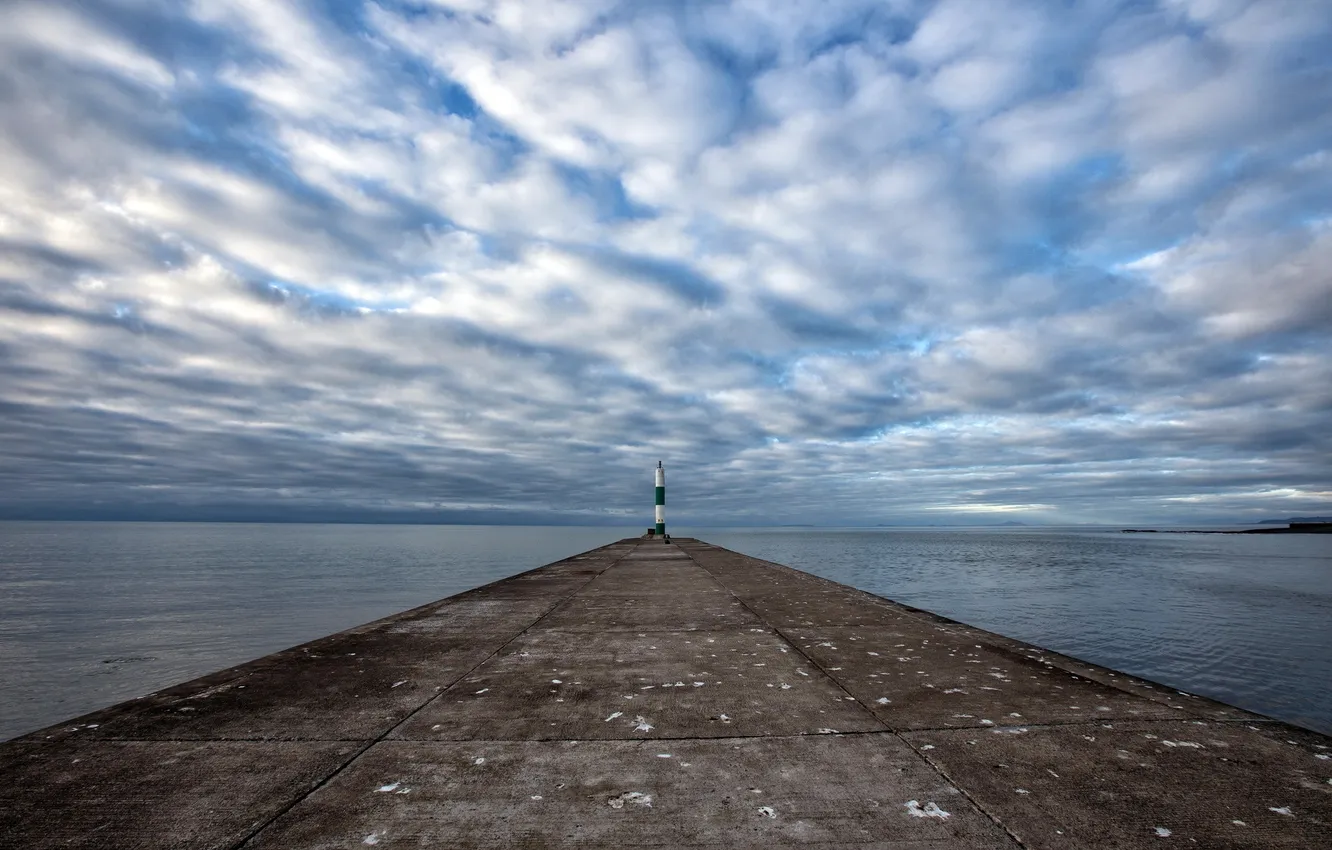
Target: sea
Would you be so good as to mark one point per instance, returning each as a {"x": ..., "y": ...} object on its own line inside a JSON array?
[{"x": 92, "y": 614}]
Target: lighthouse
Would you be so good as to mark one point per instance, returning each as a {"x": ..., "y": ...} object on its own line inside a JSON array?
[{"x": 661, "y": 501}]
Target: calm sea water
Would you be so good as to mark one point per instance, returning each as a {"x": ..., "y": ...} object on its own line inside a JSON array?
[{"x": 95, "y": 613}]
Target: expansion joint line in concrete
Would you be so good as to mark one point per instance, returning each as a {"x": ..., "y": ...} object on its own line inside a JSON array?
[
  {"x": 1090, "y": 724},
  {"x": 777, "y": 631},
  {"x": 949, "y": 779},
  {"x": 887, "y": 730},
  {"x": 383, "y": 736},
  {"x": 864, "y": 733}
]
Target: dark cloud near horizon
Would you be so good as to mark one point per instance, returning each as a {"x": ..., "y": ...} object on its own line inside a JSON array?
[{"x": 859, "y": 263}]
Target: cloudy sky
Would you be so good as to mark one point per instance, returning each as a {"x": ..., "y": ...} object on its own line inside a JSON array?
[{"x": 834, "y": 262}]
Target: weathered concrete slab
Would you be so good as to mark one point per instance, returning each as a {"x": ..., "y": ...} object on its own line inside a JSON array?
[
  {"x": 552, "y": 684},
  {"x": 1129, "y": 785},
  {"x": 829, "y": 791},
  {"x": 652, "y": 594},
  {"x": 1187, "y": 704},
  {"x": 787, "y": 598},
  {"x": 914, "y": 676},
  {"x": 170, "y": 794},
  {"x": 549, "y": 709}
]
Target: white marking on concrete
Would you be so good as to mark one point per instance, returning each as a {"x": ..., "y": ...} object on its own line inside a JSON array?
[
  {"x": 1162, "y": 832},
  {"x": 767, "y": 811},
  {"x": 373, "y": 838},
  {"x": 638, "y": 798},
  {"x": 395, "y": 684},
  {"x": 613, "y": 716},
  {"x": 929, "y": 810},
  {"x": 385, "y": 789},
  {"x": 643, "y": 725},
  {"x": 1282, "y": 810}
]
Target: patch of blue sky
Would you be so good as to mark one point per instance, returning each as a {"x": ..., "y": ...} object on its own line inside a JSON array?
[
  {"x": 564, "y": 302},
  {"x": 434, "y": 90},
  {"x": 322, "y": 302},
  {"x": 778, "y": 371},
  {"x": 221, "y": 123},
  {"x": 347, "y": 15},
  {"x": 167, "y": 33},
  {"x": 507, "y": 148},
  {"x": 712, "y": 236},
  {"x": 675, "y": 278},
  {"x": 1095, "y": 169},
  {"x": 605, "y": 191},
  {"x": 122, "y": 310},
  {"x": 1066, "y": 226},
  {"x": 811, "y": 325},
  {"x": 766, "y": 371},
  {"x": 410, "y": 215},
  {"x": 414, "y": 79},
  {"x": 222, "y": 128},
  {"x": 917, "y": 343},
  {"x": 874, "y": 26},
  {"x": 499, "y": 247},
  {"x": 726, "y": 56}
]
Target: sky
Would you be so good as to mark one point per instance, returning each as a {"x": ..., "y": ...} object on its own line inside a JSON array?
[{"x": 834, "y": 263}]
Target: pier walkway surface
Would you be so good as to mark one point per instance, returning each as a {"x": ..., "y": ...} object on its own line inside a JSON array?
[{"x": 667, "y": 695}]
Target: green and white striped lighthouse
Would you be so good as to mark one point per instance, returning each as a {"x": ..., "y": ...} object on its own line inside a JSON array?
[{"x": 661, "y": 501}]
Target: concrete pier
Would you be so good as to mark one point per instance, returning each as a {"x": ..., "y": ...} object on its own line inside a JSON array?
[{"x": 675, "y": 695}]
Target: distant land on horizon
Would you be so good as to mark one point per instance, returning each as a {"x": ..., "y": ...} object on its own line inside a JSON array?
[
  {"x": 234, "y": 513},
  {"x": 1295, "y": 519}
]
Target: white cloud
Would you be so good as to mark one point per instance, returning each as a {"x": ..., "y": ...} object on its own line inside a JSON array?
[{"x": 45, "y": 28}]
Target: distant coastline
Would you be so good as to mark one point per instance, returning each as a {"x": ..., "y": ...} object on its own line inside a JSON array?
[{"x": 1295, "y": 527}]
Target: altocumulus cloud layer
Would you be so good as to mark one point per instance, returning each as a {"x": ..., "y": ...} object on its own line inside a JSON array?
[{"x": 834, "y": 262}]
